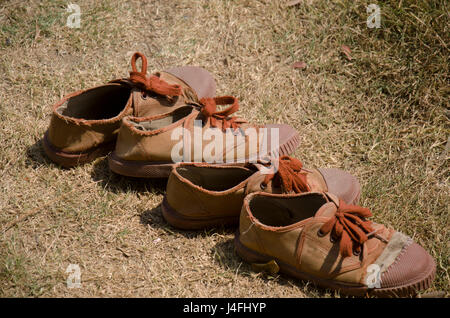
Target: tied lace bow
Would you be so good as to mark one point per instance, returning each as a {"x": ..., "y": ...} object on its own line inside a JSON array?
[
  {"x": 350, "y": 227},
  {"x": 152, "y": 83},
  {"x": 289, "y": 176},
  {"x": 209, "y": 111}
]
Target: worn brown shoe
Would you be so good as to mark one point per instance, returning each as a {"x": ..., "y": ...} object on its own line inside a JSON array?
[
  {"x": 318, "y": 238},
  {"x": 149, "y": 147},
  {"x": 203, "y": 195},
  {"x": 84, "y": 124}
]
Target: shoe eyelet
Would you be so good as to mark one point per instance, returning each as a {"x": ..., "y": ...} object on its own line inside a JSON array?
[
  {"x": 263, "y": 186},
  {"x": 144, "y": 95},
  {"x": 356, "y": 253},
  {"x": 320, "y": 234},
  {"x": 333, "y": 239}
]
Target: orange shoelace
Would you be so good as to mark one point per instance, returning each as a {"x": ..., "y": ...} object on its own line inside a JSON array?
[
  {"x": 209, "y": 111},
  {"x": 288, "y": 176},
  {"x": 152, "y": 83},
  {"x": 349, "y": 227}
]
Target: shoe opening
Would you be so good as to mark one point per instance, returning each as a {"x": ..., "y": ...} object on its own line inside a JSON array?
[
  {"x": 284, "y": 211},
  {"x": 215, "y": 178},
  {"x": 103, "y": 102}
]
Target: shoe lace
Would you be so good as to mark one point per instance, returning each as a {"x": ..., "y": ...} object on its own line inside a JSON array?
[
  {"x": 288, "y": 176},
  {"x": 152, "y": 83},
  {"x": 349, "y": 227},
  {"x": 209, "y": 111}
]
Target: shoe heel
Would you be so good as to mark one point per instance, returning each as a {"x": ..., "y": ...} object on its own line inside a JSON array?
[
  {"x": 258, "y": 261},
  {"x": 179, "y": 221}
]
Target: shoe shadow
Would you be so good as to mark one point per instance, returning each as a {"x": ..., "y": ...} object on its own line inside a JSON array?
[
  {"x": 116, "y": 183},
  {"x": 36, "y": 157},
  {"x": 224, "y": 253},
  {"x": 226, "y": 256},
  {"x": 155, "y": 219}
]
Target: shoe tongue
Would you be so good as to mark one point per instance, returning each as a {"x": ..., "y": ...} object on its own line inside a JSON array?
[
  {"x": 327, "y": 210},
  {"x": 145, "y": 104},
  {"x": 255, "y": 181}
]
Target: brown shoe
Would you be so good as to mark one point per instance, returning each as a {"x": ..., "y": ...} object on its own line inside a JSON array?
[
  {"x": 202, "y": 195},
  {"x": 318, "y": 238},
  {"x": 84, "y": 124},
  {"x": 148, "y": 147}
]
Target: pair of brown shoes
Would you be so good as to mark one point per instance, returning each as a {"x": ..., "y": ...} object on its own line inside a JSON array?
[
  {"x": 296, "y": 221},
  {"x": 144, "y": 119},
  {"x": 303, "y": 222}
]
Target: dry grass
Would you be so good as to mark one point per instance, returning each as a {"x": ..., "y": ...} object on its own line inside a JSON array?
[{"x": 382, "y": 116}]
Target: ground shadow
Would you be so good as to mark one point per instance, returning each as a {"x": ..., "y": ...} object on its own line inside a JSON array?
[
  {"x": 154, "y": 219},
  {"x": 36, "y": 157},
  {"x": 117, "y": 183},
  {"x": 226, "y": 256}
]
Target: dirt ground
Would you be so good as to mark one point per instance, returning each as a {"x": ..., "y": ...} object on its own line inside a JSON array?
[{"x": 379, "y": 111}]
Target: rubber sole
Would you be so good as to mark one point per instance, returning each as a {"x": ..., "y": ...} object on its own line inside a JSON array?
[
  {"x": 69, "y": 160},
  {"x": 411, "y": 289},
  {"x": 182, "y": 222},
  {"x": 149, "y": 169}
]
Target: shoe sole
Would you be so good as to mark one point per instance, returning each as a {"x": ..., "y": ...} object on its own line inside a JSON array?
[
  {"x": 410, "y": 289},
  {"x": 151, "y": 169},
  {"x": 69, "y": 160},
  {"x": 182, "y": 222}
]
